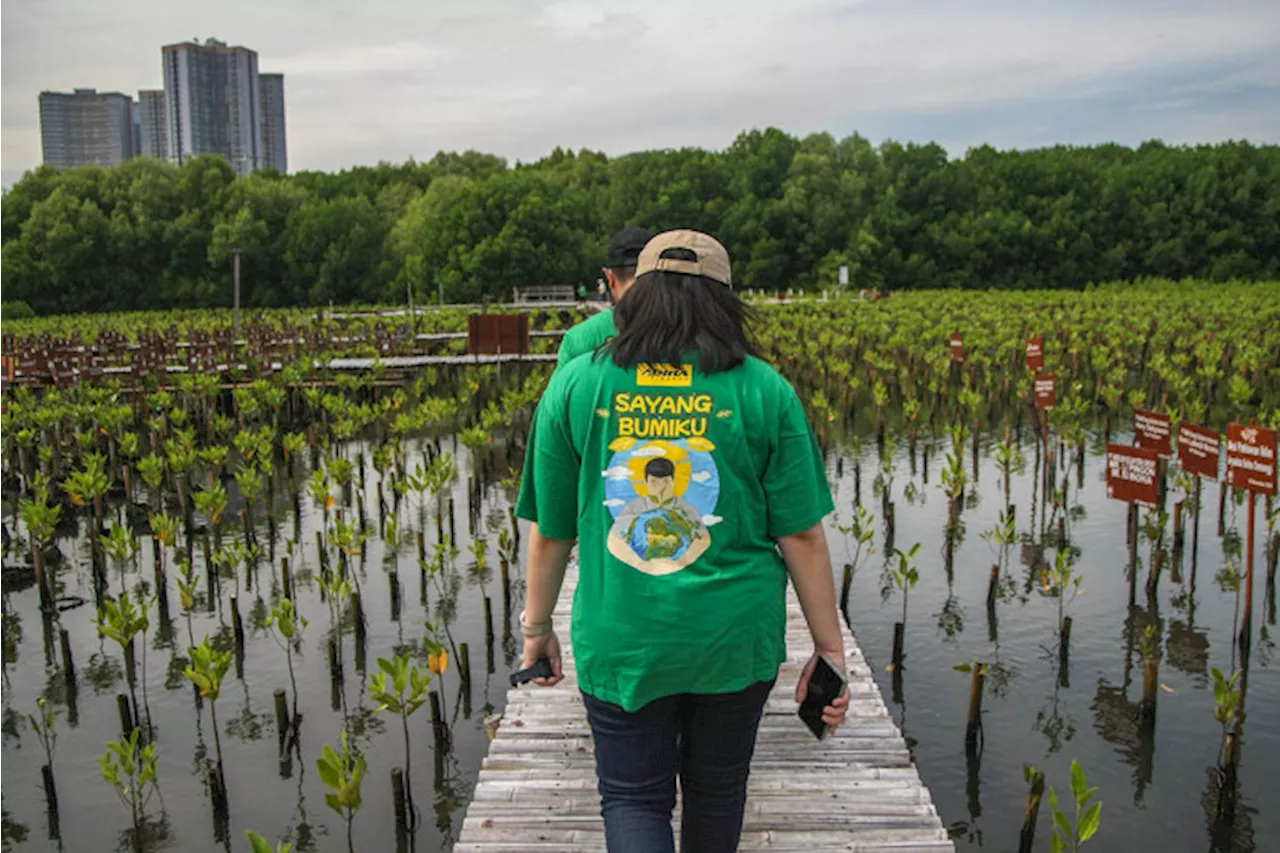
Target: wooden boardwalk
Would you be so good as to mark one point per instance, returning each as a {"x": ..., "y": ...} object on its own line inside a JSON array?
[{"x": 857, "y": 791}]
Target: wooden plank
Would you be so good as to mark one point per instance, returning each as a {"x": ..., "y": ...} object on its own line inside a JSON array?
[{"x": 855, "y": 791}]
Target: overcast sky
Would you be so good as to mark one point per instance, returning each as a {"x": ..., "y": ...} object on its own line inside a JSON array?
[{"x": 381, "y": 80}]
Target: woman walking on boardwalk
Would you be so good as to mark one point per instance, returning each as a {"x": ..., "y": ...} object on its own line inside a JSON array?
[{"x": 686, "y": 470}]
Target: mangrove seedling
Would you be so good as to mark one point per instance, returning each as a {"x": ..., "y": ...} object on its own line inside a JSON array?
[
  {"x": 206, "y": 671},
  {"x": 474, "y": 438},
  {"x": 318, "y": 489},
  {"x": 89, "y": 484},
  {"x": 250, "y": 481},
  {"x": 151, "y": 467},
  {"x": 1009, "y": 460},
  {"x": 41, "y": 520},
  {"x": 121, "y": 620},
  {"x": 348, "y": 538},
  {"x": 295, "y": 444},
  {"x": 1062, "y": 581},
  {"x": 1001, "y": 538},
  {"x": 212, "y": 501},
  {"x": 861, "y": 530},
  {"x": 187, "y": 594},
  {"x": 121, "y": 546},
  {"x": 132, "y": 773},
  {"x": 405, "y": 694},
  {"x": 1068, "y": 834},
  {"x": 343, "y": 775},
  {"x": 906, "y": 576},
  {"x": 954, "y": 477},
  {"x": 43, "y": 723},
  {"x": 341, "y": 470},
  {"x": 258, "y": 844},
  {"x": 213, "y": 458},
  {"x": 479, "y": 549},
  {"x": 1227, "y": 697},
  {"x": 286, "y": 626},
  {"x": 164, "y": 528}
]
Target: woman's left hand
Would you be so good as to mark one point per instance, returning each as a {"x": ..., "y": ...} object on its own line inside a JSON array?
[{"x": 547, "y": 646}]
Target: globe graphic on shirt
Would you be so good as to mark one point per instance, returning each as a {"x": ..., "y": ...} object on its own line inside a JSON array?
[
  {"x": 661, "y": 534},
  {"x": 662, "y": 496}
]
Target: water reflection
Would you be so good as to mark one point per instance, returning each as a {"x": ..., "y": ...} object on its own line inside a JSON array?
[
  {"x": 1228, "y": 817},
  {"x": 12, "y": 833}
]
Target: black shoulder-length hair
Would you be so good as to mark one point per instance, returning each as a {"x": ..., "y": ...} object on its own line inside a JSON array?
[{"x": 666, "y": 315}]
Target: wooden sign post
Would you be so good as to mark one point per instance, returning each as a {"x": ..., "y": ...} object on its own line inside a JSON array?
[
  {"x": 1132, "y": 474},
  {"x": 1199, "y": 452},
  {"x": 1154, "y": 431},
  {"x": 1251, "y": 465},
  {"x": 1046, "y": 390},
  {"x": 1035, "y": 354},
  {"x": 957, "y": 346}
]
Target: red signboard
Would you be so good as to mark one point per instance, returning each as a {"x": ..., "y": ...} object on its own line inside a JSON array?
[
  {"x": 1132, "y": 474},
  {"x": 957, "y": 347},
  {"x": 1251, "y": 458},
  {"x": 1153, "y": 431},
  {"x": 1046, "y": 389},
  {"x": 1198, "y": 450},
  {"x": 1035, "y": 353}
]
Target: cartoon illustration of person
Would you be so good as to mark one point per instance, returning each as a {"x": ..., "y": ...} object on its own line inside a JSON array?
[{"x": 660, "y": 532}]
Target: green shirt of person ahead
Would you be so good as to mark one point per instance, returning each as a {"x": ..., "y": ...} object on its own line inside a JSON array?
[
  {"x": 586, "y": 336},
  {"x": 620, "y": 271},
  {"x": 676, "y": 484}
]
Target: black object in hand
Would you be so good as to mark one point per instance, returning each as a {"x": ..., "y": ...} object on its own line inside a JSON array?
[
  {"x": 541, "y": 669},
  {"x": 826, "y": 685}
]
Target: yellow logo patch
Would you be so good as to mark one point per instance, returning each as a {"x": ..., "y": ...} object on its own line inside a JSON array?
[{"x": 664, "y": 375}]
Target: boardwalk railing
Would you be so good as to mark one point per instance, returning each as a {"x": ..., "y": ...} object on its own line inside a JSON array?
[{"x": 856, "y": 791}]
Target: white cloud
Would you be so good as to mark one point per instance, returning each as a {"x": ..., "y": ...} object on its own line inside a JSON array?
[
  {"x": 701, "y": 477},
  {"x": 618, "y": 472},
  {"x": 615, "y": 502},
  {"x": 651, "y": 450},
  {"x": 710, "y": 520}
]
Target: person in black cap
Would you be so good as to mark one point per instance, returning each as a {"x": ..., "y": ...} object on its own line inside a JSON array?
[{"x": 620, "y": 270}]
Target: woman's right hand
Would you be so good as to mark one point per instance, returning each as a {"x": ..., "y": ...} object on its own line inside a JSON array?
[{"x": 547, "y": 646}]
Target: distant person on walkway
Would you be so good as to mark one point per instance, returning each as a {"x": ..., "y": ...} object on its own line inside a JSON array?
[
  {"x": 685, "y": 469},
  {"x": 601, "y": 289},
  {"x": 582, "y": 292},
  {"x": 620, "y": 269}
]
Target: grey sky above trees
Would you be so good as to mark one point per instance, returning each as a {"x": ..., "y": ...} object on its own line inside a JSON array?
[{"x": 383, "y": 80}]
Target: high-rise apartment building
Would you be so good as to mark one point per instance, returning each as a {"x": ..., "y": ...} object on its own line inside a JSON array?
[
  {"x": 212, "y": 100},
  {"x": 86, "y": 127},
  {"x": 153, "y": 131},
  {"x": 274, "y": 153}
]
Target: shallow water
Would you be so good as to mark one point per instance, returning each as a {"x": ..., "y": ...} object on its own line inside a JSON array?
[{"x": 1154, "y": 794}]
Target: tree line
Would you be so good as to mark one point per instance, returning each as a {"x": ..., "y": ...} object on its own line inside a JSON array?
[{"x": 151, "y": 235}]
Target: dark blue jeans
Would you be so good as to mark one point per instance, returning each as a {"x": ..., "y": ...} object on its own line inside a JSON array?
[{"x": 705, "y": 739}]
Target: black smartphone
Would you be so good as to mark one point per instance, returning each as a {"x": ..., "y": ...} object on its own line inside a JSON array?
[
  {"x": 825, "y": 686},
  {"x": 540, "y": 669}
]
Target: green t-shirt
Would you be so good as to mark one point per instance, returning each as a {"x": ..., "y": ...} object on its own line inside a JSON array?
[
  {"x": 676, "y": 486},
  {"x": 586, "y": 336}
]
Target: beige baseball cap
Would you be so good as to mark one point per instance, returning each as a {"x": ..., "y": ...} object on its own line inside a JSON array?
[{"x": 712, "y": 259}]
